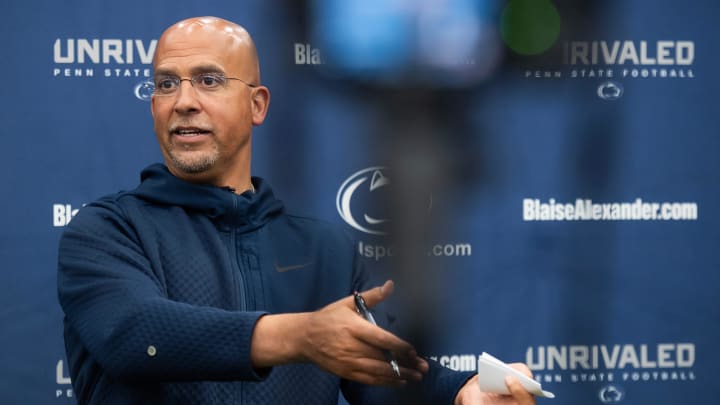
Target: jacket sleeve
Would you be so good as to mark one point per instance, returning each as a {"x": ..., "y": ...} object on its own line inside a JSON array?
[
  {"x": 439, "y": 386},
  {"x": 117, "y": 315}
]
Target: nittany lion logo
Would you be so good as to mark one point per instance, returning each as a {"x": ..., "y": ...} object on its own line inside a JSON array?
[
  {"x": 144, "y": 90},
  {"x": 365, "y": 185},
  {"x": 611, "y": 394},
  {"x": 610, "y": 91},
  {"x": 363, "y": 200}
]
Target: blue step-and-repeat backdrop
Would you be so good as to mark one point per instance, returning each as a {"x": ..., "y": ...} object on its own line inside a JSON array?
[{"x": 557, "y": 161}]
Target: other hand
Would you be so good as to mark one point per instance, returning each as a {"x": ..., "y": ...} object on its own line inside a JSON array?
[
  {"x": 470, "y": 393},
  {"x": 339, "y": 340}
]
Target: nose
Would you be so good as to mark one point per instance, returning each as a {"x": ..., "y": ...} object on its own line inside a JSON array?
[{"x": 186, "y": 101}]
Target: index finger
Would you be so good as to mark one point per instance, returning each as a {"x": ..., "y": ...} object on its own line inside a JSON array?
[
  {"x": 382, "y": 339},
  {"x": 401, "y": 350}
]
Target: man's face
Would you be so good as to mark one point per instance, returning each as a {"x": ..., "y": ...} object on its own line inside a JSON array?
[{"x": 204, "y": 135}]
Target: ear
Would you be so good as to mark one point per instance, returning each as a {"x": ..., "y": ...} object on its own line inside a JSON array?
[
  {"x": 260, "y": 104},
  {"x": 152, "y": 106}
]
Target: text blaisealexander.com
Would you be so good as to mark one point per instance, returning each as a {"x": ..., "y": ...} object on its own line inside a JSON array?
[{"x": 533, "y": 209}]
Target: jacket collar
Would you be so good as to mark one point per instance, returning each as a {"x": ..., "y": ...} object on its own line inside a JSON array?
[{"x": 246, "y": 211}]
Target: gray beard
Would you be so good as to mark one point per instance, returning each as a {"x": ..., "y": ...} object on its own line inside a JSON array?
[{"x": 193, "y": 166}]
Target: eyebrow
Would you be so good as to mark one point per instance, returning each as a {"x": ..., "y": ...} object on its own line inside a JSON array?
[{"x": 206, "y": 68}]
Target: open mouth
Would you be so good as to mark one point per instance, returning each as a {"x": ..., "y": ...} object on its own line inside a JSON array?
[{"x": 188, "y": 132}]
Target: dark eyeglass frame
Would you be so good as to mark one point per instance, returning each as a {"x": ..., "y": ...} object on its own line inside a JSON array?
[{"x": 204, "y": 82}]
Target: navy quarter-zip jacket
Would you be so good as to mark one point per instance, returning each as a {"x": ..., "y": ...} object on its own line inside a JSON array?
[{"x": 162, "y": 286}]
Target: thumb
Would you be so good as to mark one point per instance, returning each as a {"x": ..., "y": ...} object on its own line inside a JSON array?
[
  {"x": 521, "y": 395},
  {"x": 377, "y": 295}
]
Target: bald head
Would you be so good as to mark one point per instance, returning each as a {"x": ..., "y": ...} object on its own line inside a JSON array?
[
  {"x": 212, "y": 32},
  {"x": 205, "y": 130}
]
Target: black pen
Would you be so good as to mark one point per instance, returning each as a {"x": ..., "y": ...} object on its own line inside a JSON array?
[{"x": 363, "y": 310}]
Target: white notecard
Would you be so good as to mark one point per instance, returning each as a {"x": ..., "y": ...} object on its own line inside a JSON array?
[{"x": 492, "y": 373}]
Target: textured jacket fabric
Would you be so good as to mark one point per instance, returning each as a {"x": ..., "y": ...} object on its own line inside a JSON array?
[{"x": 162, "y": 286}]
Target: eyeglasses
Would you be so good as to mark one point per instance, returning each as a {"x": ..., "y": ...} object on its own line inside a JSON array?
[{"x": 203, "y": 82}]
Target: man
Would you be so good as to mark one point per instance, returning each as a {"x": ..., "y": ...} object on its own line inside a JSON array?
[{"x": 197, "y": 287}]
